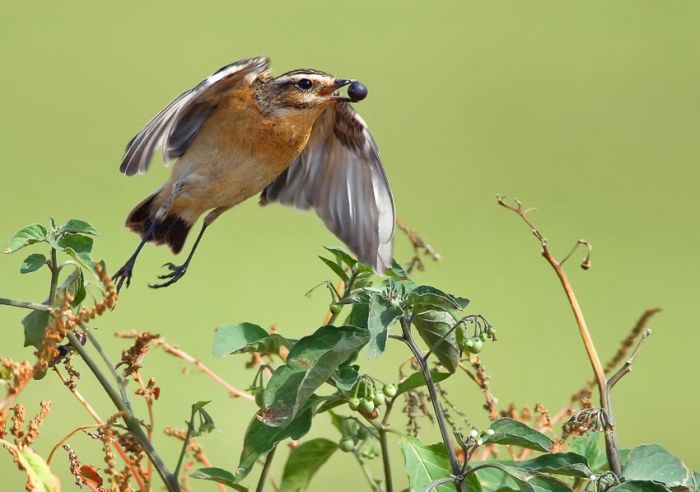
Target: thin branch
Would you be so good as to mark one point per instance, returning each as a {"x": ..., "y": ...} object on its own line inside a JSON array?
[
  {"x": 627, "y": 367},
  {"x": 612, "y": 450},
  {"x": 131, "y": 422},
  {"x": 25, "y": 304},
  {"x": 265, "y": 470},
  {"x": 66, "y": 437},
  {"x": 437, "y": 408},
  {"x": 186, "y": 442}
]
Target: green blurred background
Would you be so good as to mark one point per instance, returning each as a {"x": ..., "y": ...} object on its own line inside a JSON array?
[{"x": 587, "y": 110}]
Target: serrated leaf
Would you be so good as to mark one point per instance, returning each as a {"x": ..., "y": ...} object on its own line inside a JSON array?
[
  {"x": 37, "y": 470},
  {"x": 247, "y": 337},
  {"x": 570, "y": 464},
  {"x": 639, "y": 486},
  {"x": 652, "y": 462},
  {"x": 435, "y": 328},
  {"x": 33, "y": 233},
  {"x": 80, "y": 227},
  {"x": 425, "y": 296},
  {"x": 510, "y": 431},
  {"x": 425, "y": 464},
  {"x": 382, "y": 315},
  {"x": 416, "y": 380},
  {"x": 337, "y": 269},
  {"x": 304, "y": 461},
  {"x": 524, "y": 480},
  {"x": 32, "y": 263}
]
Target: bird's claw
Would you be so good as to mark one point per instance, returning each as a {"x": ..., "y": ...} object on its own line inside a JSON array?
[
  {"x": 175, "y": 274},
  {"x": 124, "y": 274}
]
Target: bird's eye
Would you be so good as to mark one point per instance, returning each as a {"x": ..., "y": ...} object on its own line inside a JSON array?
[{"x": 304, "y": 84}]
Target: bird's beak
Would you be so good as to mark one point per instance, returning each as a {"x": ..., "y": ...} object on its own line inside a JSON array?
[{"x": 331, "y": 91}]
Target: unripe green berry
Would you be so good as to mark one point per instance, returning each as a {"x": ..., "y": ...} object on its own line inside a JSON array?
[
  {"x": 347, "y": 444},
  {"x": 477, "y": 346},
  {"x": 366, "y": 406},
  {"x": 354, "y": 403},
  {"x": 389, "y": 390},
  {"x": 378, "y": 398},
  {"x": 484, "y": 336}
]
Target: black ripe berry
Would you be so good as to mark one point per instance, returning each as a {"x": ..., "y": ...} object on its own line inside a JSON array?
[{"x": 357, "y": 91}]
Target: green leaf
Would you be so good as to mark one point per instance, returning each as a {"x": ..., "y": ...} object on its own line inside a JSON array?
[
  {"x": 426, "y": 296},
  {"x": 571, "y": 464},
  {"x": 520, "y": 479},
  {"x": 38, "y": 472},
  {"x": 425, "y": 464},
  {"x": 342, "y": 256},
  {"x": 432, "y": 327},
  {"x": 220, "y": 476},
  {"x": 382, "y": 315},
  {"x": 78, "y": 247},
  {"x": 359, "y": 314},
  {"x": 588, "y": 446},
  {"x": 639, "y": 486},
  {"x": 206, "y": 423},
  {"x": 345, "y": 377},
  {"x": 261, "y": 438},
  {"x": 304, "y": 461},
  {"x": 397, "y": 272},
  {"x": 27, "y": 235},
  {"x": 337, "y": 269},
  {"x": 34, "y": 327},
  {"x": 32, "y": 263},
  {"x": 510, "y": 431},
  {"x": 80, "y": 227},
  {"x": 416, "y": 380},
  {"x": 310, "y": 363},
  {"x": 654, "y": 462},
  {"x": 247, "y": 337}
]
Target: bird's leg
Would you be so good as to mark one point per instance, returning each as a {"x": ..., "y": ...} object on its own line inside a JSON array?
[
  {"x": 178, "y": 271},
  {"x": 126, "y": 271}
]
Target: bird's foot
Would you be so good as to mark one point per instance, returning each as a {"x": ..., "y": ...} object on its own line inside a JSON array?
[
  {"x": 175, "y": 274},
  {"x": 124, "y": 275}
]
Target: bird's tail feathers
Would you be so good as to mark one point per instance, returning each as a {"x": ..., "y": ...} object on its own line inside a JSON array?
[{"x": 171, "y": 230}]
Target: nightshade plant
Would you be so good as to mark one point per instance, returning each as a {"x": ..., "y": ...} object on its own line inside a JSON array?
[{"x": 297, "y": 381}]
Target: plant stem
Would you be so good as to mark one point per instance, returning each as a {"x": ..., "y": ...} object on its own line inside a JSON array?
[
  {"x": 108, "y": 361},
  {"x": 183, "y": 451},
  {"x": 54, "y": 277},
  {"x": 265, "y": 470},
  {"x": 368, "y": 474},
  {"x": 131, "y": 422},
  {"x": 611, "y": 449},
  {"x": 437, "y": 408},
  {"x": 386, "y": 462},
  {"x": 24, "y": 304},
  {"x": 346, "y": 292}
]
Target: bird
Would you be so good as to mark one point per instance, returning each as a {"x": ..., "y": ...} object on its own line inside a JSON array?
[{"x": 293, "y": 139}]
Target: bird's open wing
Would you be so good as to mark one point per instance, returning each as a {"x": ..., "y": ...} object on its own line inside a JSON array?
[
  {"x": 174, "y": 128},
  {"x": 339, "y": 175}
]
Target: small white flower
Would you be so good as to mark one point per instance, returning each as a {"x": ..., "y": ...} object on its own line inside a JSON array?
[
  {"x": 490, "y": 432},
  {"x": 593, "y": 478},
  {"x": 474, "y": 433},
  {"x": 479, "y": 442}
]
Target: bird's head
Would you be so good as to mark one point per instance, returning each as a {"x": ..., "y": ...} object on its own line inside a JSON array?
[{"x": 303, "y": 90}]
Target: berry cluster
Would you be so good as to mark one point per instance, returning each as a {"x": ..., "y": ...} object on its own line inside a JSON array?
[{"x": 368, "y": 395}]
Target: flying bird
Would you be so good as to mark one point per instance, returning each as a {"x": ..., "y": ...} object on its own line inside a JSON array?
[{"x": 292, "y": 138}]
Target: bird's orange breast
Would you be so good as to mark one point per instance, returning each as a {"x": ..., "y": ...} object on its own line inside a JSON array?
[{"x": 236, "y": 154}]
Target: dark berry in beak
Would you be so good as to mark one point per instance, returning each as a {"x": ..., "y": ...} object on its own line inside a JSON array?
[{"x": 357, "y": 91}]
